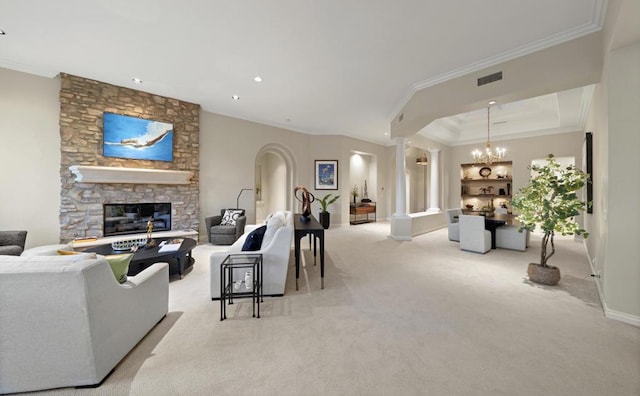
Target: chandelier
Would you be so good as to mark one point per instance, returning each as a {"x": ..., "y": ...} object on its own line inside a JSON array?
[{"x": 488, "y": 156}]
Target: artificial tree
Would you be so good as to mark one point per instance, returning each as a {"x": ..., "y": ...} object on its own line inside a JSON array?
[
  {"x": 325, "y": 216},
  {"x": 550, "y": 201}
]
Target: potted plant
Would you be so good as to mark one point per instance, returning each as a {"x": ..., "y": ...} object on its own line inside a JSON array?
[
  {"x": 550, "y": 200},
  {"x": 258, "y": 191},
  {"x": 325, "y": 217},
  {"x": 355, "y": 193}
]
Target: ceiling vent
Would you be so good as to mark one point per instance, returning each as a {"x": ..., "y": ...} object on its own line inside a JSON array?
[{"x": 490, "y": 78}]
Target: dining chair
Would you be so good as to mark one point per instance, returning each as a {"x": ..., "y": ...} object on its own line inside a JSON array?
[
  {"x": 473, "y": 236},
  {"x": 453, "y": 224},
  {"x": 510, "y": 237}
]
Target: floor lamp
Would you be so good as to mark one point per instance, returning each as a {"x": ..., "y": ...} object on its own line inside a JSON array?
[{"x": 239, "y": 194}]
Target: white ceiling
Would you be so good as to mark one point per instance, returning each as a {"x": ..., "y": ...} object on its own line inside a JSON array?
[
  {"x": 559, "y": 112},
  {"x": 328, "y": 67}
]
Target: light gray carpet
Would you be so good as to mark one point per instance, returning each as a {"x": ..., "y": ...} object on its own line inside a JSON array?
[{"x": 395, "y": 318}]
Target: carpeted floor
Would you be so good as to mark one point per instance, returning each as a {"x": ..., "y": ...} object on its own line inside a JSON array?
[{"x": 395, "y": 318}]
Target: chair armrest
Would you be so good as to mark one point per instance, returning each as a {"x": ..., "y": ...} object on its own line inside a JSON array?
[
  {"x": 240, "y": 224},
  {"x": 150, "y": 272},
  {"x": 212, "y": 221}
]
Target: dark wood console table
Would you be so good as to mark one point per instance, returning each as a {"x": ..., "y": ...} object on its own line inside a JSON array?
[
  {"x": 301, "y": 229},
  {"x": 361, "y": 212}
]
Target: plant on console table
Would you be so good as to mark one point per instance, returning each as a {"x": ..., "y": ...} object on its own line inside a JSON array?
[
  {"x": 325, "y": 216},
  {"x": 550, "y": 200},
  {"x": 355, "y": 192}
]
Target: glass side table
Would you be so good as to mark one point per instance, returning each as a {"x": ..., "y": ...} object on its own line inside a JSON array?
[{"x": 234, "y": 282}]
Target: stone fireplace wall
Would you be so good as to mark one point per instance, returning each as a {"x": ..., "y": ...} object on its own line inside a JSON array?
[{"x": 82, "y": 104}]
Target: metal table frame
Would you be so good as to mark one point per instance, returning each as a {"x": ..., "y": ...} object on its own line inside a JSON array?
[{"x": 239, "y": 261}]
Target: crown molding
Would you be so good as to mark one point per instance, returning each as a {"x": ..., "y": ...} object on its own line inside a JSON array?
[{"x": 594, "y": 25}]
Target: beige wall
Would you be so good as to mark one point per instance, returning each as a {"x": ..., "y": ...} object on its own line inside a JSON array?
[
  {"x": 615, "y": 122},
  {"x": 229, "y": 149},
  {"x": 29, "y": 156},
  {"x": 622, "y": 251}
]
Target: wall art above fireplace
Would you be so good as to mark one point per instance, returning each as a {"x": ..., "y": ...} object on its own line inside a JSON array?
[{"x": 137, "y": 138}]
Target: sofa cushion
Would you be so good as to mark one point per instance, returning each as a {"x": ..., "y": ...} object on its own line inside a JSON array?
[
  {"x": 254, "y": 239},
  {"x": 10, "y": 250},
  {"x": 119, "y": 265},
  {"x": 223, "y": 230},
  {"x": 230, "y": 216},
  {"x": 276, "y": 221}
]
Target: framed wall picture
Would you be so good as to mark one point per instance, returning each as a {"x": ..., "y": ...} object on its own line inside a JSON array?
[
  {"x": 137, "y": 138},
  {"x": 326, "y": 174}
]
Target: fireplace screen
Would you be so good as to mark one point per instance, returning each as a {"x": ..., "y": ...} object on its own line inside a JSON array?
[{"x": 121, "y": 219}]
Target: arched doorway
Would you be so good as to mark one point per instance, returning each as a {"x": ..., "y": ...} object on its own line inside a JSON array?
[{"x": 275, "y": 177}]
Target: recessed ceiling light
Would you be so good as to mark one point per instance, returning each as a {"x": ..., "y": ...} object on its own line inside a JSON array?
[
  {"x": 492, "y": 102},
  {"x": 2, "y": 32},
  {"x": 386, "y": 134},
  {"x": 235, "y": 97},
  {"x": 257, "y": 79},
  {"x": 136, "y": 80}
]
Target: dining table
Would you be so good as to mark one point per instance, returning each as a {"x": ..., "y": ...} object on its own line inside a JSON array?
[{"x": 494, "y": 220}]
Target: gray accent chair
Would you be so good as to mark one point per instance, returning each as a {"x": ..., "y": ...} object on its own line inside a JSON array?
[
  {"x": 224, "y": 234},
  {"x": 12, "y": 242}
]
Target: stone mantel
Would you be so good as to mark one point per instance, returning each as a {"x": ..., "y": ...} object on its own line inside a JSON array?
[{"x": 108, "y": 174}]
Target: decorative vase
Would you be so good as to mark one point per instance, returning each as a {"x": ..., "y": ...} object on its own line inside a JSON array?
[
  {"x": 325, "y": 219},
  {"x": 248, "y": 280},
  {"x": 543, "y": 275}
]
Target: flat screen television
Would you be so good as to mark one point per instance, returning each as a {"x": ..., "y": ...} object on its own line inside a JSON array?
[{"x": 128, "y": 218}]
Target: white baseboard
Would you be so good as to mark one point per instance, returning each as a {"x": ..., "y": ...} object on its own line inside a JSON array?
[
  {"x": 621, "y": 316},
  {"x": 608, "y": 312}
]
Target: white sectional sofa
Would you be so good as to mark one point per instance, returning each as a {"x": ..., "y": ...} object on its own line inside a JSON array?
[
  {"x": 275, "y": 252},
  {"x": 66, "y": 321}
]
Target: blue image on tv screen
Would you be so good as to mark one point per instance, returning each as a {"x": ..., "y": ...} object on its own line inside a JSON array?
[{"x": 137, "y": 138}]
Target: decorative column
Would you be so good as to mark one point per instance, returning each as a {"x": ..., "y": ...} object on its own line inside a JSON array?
[
  {"x": 434, "y": 183},
  {"x": 400, "y": 221}
]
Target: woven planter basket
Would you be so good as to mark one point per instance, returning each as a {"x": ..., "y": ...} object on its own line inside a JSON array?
[{"x": 545, "y": 276}]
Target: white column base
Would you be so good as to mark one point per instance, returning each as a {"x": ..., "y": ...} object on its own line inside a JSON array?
[
  {"x": 433, "y": 210},
  {"x": 401, "y": 227}
]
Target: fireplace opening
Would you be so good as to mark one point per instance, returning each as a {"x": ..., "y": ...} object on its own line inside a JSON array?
[{"x": 130, "y": 218}]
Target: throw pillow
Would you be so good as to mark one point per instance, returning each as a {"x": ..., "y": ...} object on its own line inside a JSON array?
[
  {"x": 254, "y": 239},
  {"x": 62, "y": 252},
  {"x": 119, "y": 265},
  {"x": 230, "y": 216},
  {"x": 274, "y": 223}
]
